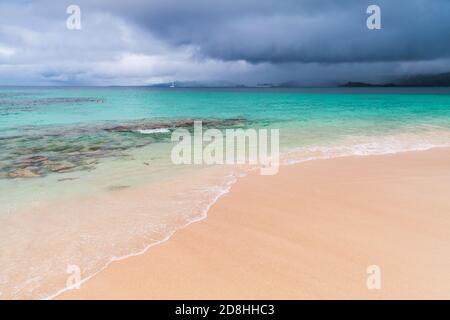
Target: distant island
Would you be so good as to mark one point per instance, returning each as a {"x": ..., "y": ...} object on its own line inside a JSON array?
[
  {"x": 351, "y": 84},
  {"x": 429, "y": 80},
  {"x": 435, "y": 80}
]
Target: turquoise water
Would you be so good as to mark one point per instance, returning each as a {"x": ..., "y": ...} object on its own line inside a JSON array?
[
  {"x": 77, "y": 124},
  {"x": 21, "y": 107},
  {"x": 69, "y": 148}
]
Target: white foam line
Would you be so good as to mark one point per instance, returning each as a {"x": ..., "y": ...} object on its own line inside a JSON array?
[
  {"x": 151, "y": 131},
  {"x": 354, "y": 153},
  {"x": 203, "y": 216}
]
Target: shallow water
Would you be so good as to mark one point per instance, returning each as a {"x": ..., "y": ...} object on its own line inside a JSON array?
[{"x": 76, "y": 163}]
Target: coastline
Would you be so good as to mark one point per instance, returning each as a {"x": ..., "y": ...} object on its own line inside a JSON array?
[
  {"x": 308, "y": 232},
  {"x": 201, "y": 217}
]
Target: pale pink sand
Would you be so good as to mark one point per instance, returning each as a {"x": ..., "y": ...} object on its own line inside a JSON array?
[{"x": 309, "y": 232}]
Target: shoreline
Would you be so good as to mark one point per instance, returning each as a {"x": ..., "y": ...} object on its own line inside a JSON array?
[
  {"x": 94, "y": 287},
  {"x": 202, "y": 217}
]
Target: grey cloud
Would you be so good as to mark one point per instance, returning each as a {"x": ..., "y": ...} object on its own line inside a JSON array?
[
  {"x": 327, "y": 31},
  {"x": 248, "y": 41}
]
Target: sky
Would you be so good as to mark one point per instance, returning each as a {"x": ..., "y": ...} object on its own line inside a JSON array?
[{"x": 137, "y": 42}]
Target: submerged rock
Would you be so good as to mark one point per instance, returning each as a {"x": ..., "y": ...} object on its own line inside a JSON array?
[
  {"x": 23, "y": 173},
  {"x": 90, "y": 161},
  {"x": 184, "y": 123},
  {"x": 59, "y": 149},
  {"x": 67, "y": 179},
  {"x": 62, "y": 167},
  {"x": 34, "y": 160},
  {"x": 117, "y": 187}
]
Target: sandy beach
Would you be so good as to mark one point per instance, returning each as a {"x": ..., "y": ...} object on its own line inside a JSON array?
[{"x": 309, "y": 232}]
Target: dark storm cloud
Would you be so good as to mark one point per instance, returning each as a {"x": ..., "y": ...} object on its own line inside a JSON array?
[
  {"x": 327, "y": 31},
  {"x": 245, "y": 41}
]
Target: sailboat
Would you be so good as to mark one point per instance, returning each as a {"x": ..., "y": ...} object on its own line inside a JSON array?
[{"x": 172, "y": 85}]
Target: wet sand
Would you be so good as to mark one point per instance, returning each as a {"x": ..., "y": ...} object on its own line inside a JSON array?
[{"x": 309, "y": 232}]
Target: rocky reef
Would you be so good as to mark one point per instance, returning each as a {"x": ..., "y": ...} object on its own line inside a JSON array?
[{"x": 38, "y": 151}]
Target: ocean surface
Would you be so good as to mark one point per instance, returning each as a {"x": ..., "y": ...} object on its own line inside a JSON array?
[{"x": 86, "y": 176}]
